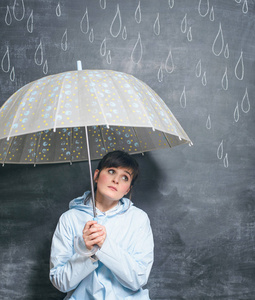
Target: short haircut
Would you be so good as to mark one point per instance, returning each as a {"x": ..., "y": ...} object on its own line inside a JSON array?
[{"x": 120, "y": 159}]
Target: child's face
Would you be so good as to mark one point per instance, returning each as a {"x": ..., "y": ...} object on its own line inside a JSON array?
[{"x": 112, "y": 183}]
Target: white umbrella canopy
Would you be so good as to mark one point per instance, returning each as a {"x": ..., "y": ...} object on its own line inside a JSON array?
[
  {"x": 81, "y": 115},
  {"x": 46, "y": 120}
]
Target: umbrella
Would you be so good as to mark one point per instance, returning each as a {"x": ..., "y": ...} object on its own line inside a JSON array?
[{"x": 83, "y": 114}]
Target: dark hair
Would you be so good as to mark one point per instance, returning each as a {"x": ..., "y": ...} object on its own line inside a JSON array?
[{"x": 118, "y": 159}]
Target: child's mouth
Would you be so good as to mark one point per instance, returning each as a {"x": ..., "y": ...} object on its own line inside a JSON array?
[{"x": 112, "y": 188}]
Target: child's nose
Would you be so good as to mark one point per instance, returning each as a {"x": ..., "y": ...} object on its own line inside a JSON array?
[{"x": 115, "y": 179}]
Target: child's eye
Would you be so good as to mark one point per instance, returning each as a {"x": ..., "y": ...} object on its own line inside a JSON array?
[
  {"x": 111, "y": 171},
  {"x": 125, "y": 178}
]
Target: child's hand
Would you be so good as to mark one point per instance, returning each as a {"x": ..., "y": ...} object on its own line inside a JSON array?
[{"x": 93, "y": 234}]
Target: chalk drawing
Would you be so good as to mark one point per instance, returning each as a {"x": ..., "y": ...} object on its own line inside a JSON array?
[
  {"x": 198, "y": 69},
  {"x": 183, "y": 98},
  {"x": 58, "y": 10},
  {"x": 12, "y": 74},
  {"x": 220, "y": 150},
  {"x": 156, "y": 26},
  {"x": 169, "y": 64},
  {"x": 171, "y": 3},
  {"x": 189, "y": 35},
  {"x": 224, "y": 80},
  {"x": 218, "y": 42},
  {"x": 245, "y": 7},
  {"x": 226, "y": 51},
  {"x": 208, "y": 122},
  {"x": 103, "y": 47},
  {"x": 39, "y": 54},
  {"x": 116, "y": 22},
  {"x": 245, "y": 104},
  {"x": 160, "y": 74},
  {"x": 45, "y": 67},
  {"x": 204, "y": 80},
  {"x": 138, "y": 15},
  {"x": 124, "y": 33},
  {"x": 102, "y": 4},
  {"x": 236, "y": 113},
  {"x": 211, "y": 16},
  {"x": 225, "y": 161},
  {"x": 108, "y": 57},
  {"x": 5, "y": 63},
  {"x": 84, "y": 24},
  {"x": 137, "y": 51},
  {"x": 64, "y": 41},
  {"x": 184, "y": 24},
  {"x": 238, "y": 1},
  {"x": 6, "y": 66},
  {"x": 91, "y": 35},
  {"x": 239, "y": 68},
  {"x": 30, "y": 22},
  {"x": 203, "y": 6},
  {"x": 18, "y": 7},
  {"x": 8, "y": 16}
]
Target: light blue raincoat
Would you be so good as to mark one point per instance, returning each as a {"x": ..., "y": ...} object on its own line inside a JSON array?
[{"x": 124, "y": 261}]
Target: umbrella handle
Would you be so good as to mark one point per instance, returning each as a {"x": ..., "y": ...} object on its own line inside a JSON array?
[
  {"x": 95, "y": 248},
  {"x": 91, "y": 176},
  {"x": 79, "y": 68}
]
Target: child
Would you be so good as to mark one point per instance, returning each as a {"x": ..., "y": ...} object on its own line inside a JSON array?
[{"x": 123, "y": 237}]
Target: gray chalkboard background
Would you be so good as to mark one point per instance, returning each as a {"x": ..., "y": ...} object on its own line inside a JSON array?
[{"x": 199, "y": 56}]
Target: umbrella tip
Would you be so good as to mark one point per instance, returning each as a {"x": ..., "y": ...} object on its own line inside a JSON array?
[{"x": 79, "y": 65}]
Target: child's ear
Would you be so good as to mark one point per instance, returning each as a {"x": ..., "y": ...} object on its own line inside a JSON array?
[{"x": 96, "y": 174}]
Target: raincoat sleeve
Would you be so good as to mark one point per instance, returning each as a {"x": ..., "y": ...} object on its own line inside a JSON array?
[
  {"x": 67, "y": 269},
  {"x": 131, "y": 267}
]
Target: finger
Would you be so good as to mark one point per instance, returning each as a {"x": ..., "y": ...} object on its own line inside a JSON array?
[
  {"x": 97, "y": 241},
  {"x": 94, "y": 235},
  {"x": 91, "y": 236},
  {"x": 89, "y": 244},
  {"x": 101, "y": 242},
  {"x": 88, "y": 225},
  {"x": 92, "y": 230},
  {"x": 99, "y": 226}
]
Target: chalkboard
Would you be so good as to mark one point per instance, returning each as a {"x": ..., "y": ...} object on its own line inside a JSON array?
[{"x": 199, "y": 57}]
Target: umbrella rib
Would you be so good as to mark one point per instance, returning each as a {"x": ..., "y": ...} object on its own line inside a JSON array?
[
  {"x": 8, "y": 149},
  {"x": 138, "y": 138},
  {"x": 102, "y": 135},
  {"x": 120, "y": 98},
  {"x": 161, "y": 103},
  {"x": 71, "y": 147},
  {"x": 141, "y": 83},
  {"x": 37, "y": 147},
  {"x": 59, "y": 99},
  {"x": 97, "y": 97},
  {"x": 25, "y": 94},
  {"x": 166, "y": 139}
]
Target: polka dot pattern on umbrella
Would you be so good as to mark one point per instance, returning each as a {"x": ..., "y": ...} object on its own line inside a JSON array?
[{"x": 120, "y": 111}]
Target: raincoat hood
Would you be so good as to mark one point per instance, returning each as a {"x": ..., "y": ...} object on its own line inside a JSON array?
[{"x": 81, "y": 204}]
